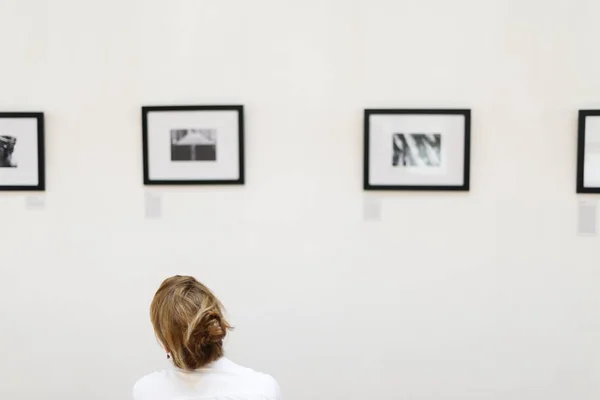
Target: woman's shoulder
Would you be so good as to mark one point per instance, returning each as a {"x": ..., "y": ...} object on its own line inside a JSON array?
[
  {"x": 228, "y": 377},
  {"x": 256, "y": 381},
  {"x": 149, "y": 384}
]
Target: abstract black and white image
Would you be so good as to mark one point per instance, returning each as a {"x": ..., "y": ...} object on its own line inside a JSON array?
[
  {"x": 194, "y": 145},
  {"x": 22, "y": 161},
  {"x": 416, "y": 150},
  {"x": 7, "y": 149}
]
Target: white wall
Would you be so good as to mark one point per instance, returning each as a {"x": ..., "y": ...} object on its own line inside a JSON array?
[{"x": 482, "y": 295}]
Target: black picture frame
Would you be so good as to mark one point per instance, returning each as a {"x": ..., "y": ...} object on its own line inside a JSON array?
[
  {"x": 41, "y": 184},
  {"x": 581, "y": 135},
  {"x": 241, "y": 157},
  {"x": 465, "y": 186}
]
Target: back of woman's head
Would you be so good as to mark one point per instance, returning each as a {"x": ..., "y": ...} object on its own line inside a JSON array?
[{"x": 188, "y": 320}]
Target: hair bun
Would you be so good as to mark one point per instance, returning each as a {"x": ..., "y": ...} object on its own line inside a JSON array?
[{"x": 211, "y": 329}]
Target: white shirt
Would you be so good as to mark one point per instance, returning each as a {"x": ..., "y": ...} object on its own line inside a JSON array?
[{"x": 221, "y": 380}]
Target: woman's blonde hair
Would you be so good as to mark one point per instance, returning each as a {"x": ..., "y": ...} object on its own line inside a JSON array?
[{"x": 189, "y": 322}]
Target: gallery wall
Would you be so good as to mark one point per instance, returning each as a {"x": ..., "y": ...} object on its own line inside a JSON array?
[{"x": 487, "y": 294}]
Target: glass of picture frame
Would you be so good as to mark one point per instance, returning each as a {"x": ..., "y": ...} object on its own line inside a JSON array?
[
  {"x": 588, "y": 152},
  {"x": 193, "y": 145},
  {"x": 417, "y": 149},
  {"x": 22, "y": 160}
]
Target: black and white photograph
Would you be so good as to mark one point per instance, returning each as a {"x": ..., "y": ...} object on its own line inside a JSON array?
[
  {"x": 588, "y": 152},
  {"x": 406, "y": 149},
  {"x": 7, "y": 150},
  {"x": 22, "y": 151},
  {"x": 193, "y": 145},
  {"x": 416, "y": 150}
]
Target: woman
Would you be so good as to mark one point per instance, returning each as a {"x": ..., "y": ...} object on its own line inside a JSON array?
[{"x": 189, "y": 323}]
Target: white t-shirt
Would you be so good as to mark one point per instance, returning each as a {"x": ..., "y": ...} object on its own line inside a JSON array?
[{"x": 221, "y": 380}]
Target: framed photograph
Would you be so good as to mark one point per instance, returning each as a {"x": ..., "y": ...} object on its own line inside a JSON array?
[
  {"x": 193, "y": 145},
  {"x": 417, "y": 149},
  {"x": 588, "y": 152},
  {"x": 22, "y": 151}
]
